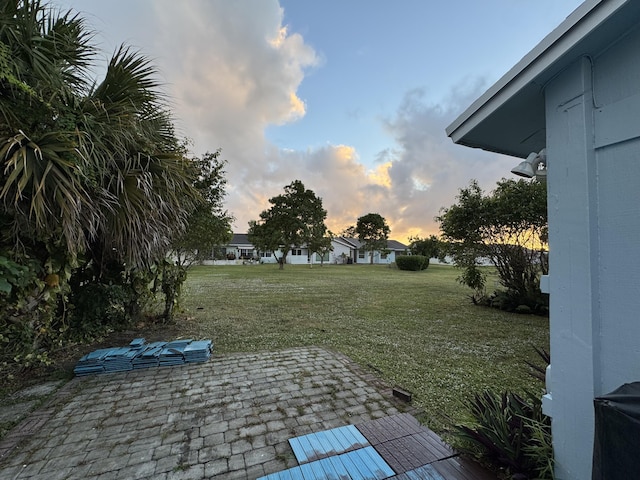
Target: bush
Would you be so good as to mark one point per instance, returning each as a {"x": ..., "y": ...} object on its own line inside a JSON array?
[
  {"x": 28, "y": 321},
  {"x": 99, "y": 308},
  {"x": 412, "y": 262},
  {"x": 510, "y": 431}
]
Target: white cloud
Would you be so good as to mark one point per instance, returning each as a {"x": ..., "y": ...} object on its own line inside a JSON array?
[{"x": 234, "y": 69}]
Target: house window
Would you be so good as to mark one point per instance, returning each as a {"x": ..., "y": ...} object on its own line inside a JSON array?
[
  {"x": 296, "y": 251},
  {"x": 322, "y": 258},
  {"x": 361, "y": 254},
  {"x": 383, "y": 255},
  {"x": 265, "y": 254},
  {"x": 246, "y": 253}
]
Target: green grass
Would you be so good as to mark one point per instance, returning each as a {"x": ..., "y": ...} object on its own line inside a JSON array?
[{"x": 417, "y": 330}]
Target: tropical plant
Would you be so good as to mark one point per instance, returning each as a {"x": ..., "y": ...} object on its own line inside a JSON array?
[
  {"x": 91, "y": 170},
  {"x": 510, "y": 431}
]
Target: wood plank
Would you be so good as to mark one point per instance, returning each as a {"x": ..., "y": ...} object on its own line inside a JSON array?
[
  {"x": 286, "y": 475},
  {"x": 317, "y": 469},
  {"x": 376, "y": 463},
  {"x": 460, "y": 468},
  {"x": 426, "y": 472}
]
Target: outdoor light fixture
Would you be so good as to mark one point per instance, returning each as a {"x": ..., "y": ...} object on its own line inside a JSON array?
[{"x": 534, "y": 166}]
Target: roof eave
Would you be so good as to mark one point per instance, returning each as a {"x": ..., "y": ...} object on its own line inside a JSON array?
[{"x": 527, "y": 80}]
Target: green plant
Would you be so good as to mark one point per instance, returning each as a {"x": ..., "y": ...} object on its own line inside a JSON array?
[
  {"x": 173, "y": 276},
  {"x": 412, "y": 262},
  {"x": 28, "y": 321},
  {"x": 510, "y": 431}
]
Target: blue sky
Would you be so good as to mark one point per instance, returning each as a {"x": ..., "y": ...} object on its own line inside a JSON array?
[{"x": 351, "y": 97}]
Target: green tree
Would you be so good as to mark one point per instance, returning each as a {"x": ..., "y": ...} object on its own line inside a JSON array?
[
  {"x": 373, "y": 233},
  {"x": 94, "y": 181},
  {"x": 321, "y": 244},
  {"x": 208, "y": 224},
  {"x": 430, "y": 247},
  {"x": 508, "y": 227},
  {"x": 295, "y": 219}
]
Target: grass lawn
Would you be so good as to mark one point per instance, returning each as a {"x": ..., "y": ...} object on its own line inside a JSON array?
[{"x": 417, "y": 330}]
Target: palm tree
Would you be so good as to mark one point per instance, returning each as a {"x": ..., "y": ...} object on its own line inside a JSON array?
[{"x": 94, "y": 167}]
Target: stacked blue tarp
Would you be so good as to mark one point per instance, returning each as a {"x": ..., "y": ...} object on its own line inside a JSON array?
[
  {"x": 140, "y": 354},
  {"x": 198, "y": 351},
  {"x": 119, "y": 359},
  {"x": 173, "y": 353},
  {"x": 149, "y": 355},
  {"x": 91, "y": 363}
]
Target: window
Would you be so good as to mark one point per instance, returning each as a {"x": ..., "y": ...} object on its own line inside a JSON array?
[
  {"x": 265, "y": 254},
  {"x": 383, "y": 255},
  {"x": 361, "y": 253},
  {"x": 296, "y": 251},
  {"x": 246, "y": 253}
]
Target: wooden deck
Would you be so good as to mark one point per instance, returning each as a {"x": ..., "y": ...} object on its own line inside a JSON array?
[{"x": 394, "y": 447}]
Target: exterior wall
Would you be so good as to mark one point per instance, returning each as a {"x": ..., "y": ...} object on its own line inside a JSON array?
[
  {"x": 593, "y": 151},
  {"x": 336, "y": 256}
]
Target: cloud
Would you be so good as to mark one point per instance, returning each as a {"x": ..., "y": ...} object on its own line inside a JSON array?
[
  {"x": 234, "y": 69},
  {"x": 427, "y": 169}
]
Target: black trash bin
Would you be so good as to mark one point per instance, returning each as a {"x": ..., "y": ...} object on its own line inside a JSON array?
[{"x": 616, "y": 449}]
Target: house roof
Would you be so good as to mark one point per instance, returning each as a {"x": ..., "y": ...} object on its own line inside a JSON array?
[
  {"x": 355, "y": 243},
  {"x": 240, "y": 239},
  {"x": 509, "y": 117}
]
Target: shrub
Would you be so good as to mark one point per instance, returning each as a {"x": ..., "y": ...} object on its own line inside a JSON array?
[
  {"x": 510, "y": 431},
  {"x": 412, "y": 262},
  {"x": 28, "y": 297},
  {"x": 99, "y": 308}
]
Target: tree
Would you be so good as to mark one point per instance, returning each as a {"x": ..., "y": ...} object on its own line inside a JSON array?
[
  {"x": 94, "y": 183},
  {"x": 295, "y": 219},
  {"x": 321, "y": 244},
  {"x": 349, "y": 232},
  {"x": 508, "y": 227},
  {"x": 373, "y": 233},
  {"x": 208, "y": 224},
  {"x": 427, "y": 247}
]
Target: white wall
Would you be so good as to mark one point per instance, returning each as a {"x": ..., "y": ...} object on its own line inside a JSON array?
[{"x": 594, "y": 240}]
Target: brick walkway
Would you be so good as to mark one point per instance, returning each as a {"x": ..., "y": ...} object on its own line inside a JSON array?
[{"x": 229, "y": 418}]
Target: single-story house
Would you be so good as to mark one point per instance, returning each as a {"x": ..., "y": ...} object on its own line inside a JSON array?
[
  {"x": 571, "y": 107},
  {"x": 350, "y": 250},
  {"x": 345, "y": 250}
]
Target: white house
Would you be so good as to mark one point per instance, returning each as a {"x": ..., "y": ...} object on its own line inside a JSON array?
[
  {"x": 577, "y": 95},
  {"x": 345, "y": 250}
]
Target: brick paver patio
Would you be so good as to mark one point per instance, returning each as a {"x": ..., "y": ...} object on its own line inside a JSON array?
[{"x": 229, "y": 418}]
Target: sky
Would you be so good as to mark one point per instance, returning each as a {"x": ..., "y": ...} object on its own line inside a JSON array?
[{"x": 352, "y": 97}]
